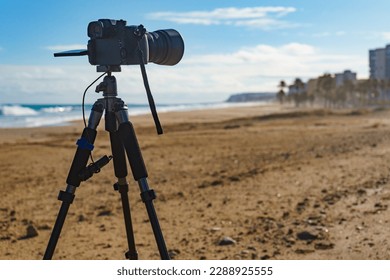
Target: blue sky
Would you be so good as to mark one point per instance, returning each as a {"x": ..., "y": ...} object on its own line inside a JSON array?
[{"x": 231, "y": 46}]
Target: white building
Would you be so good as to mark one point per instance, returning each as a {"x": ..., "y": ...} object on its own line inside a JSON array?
[
  {"x": 379, "y": 61},
  {"x": 347, "y": 75}
]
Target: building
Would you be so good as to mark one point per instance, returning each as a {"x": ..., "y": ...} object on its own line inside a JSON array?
[
  {"x": 347, "y": 75},
  {"x": 379, "y": 62}
]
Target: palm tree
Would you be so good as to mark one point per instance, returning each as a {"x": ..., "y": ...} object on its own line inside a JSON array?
[
  {"x": 363, "y": 90},
  {"x": 348, "y": 89},
  {"x": 326, "y": 86},
  {"x": 387, "y": 88},
  {"x": 281, "y": 94},
  {"x": 382, "y": 89},
  {"x": 299, "y": 92}
]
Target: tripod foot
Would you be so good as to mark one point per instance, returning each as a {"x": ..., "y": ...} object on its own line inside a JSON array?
[
  {"x": 131, "y": 255},
  {"x": 123, "y": 189}
]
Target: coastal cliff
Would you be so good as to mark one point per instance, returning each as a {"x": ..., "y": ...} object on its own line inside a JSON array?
[{"x": 251, "y": 97}]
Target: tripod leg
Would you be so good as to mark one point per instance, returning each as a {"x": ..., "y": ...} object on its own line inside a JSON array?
[
  {"x": 80, "y": 160},
  {"x": 129, "y": 140},
  {"x": 147, "y": 196},
  {"x": 122, "y": 186},
  {"x": 67, "y": 199}
]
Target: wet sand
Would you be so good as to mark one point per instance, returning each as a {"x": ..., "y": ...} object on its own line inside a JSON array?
[{"x": 236, "y": 183}]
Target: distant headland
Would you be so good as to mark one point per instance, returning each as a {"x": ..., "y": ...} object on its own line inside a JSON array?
[{"x": 251, "y": 97}]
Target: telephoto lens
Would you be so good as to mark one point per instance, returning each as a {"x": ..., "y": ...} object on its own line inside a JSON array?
[{"x": 166, "y": 47}]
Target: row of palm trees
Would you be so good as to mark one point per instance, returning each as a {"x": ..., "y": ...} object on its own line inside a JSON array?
[{"x": 324, "y": 90}]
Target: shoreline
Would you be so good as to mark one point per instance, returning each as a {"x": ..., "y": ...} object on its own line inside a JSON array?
[
  {"x": 145, "y": 120},
  {"x": 173, "y": 117},
  {"x": 46, "y": 115}
]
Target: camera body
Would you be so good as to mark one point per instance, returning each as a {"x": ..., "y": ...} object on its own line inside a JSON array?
[{"x": 112, "y": 43}]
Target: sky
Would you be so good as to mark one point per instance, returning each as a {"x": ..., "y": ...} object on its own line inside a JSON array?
[{"x": 230, "y": 46}]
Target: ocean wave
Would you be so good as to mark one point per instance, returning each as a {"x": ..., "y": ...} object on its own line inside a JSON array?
[
  {"x": 57, "y": 109},
  {"x": 44, "y": 121},
  {"x": 203, "y": 106},
  {"x": 17, "y": 110},
  {"x": 57, "y": 114}
]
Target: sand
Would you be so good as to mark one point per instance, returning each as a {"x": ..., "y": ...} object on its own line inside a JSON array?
[{"x": 239, "y": 183}]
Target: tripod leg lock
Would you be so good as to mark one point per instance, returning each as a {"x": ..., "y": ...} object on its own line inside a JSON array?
[
  {"x": 121, "y": 188},
  {"x": 66, "y": 197},
  {"x": 148, "y": 196},
  {"x": 84, "y": 144}
]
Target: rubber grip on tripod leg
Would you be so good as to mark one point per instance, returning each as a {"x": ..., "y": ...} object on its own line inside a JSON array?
[
  {"x": 80, "y": 159},
  {"x": 118, "y": 154},
  {"x": 129, "y": 140}
]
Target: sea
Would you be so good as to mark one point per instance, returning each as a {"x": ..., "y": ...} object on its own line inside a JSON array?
[{"x": 37, "y": 115}]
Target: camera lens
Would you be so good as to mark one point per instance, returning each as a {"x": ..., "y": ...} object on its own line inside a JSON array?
[{"x": 166, "y": 47}]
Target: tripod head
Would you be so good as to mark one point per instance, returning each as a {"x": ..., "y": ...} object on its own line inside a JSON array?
[
  {"x": 108, "y": 86},
  {"x": 108, "y": 68}
]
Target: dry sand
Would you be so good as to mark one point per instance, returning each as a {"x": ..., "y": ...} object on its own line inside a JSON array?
[{"x": 271, "y": 182}]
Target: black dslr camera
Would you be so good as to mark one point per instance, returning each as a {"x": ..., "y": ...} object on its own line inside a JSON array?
[{"x": 112, "y": 43}]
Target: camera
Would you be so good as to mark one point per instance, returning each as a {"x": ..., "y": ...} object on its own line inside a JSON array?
[{"x": 112, "y": 43}]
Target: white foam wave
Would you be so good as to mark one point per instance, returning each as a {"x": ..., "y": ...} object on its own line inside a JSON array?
[
  {"x": 58, "y": 115},
  {"x": 17, "y": 110},
  {"x": 202, "y": 106},
  {"x": 57, "y": 109},
  {"x": 42, "y": 121}
]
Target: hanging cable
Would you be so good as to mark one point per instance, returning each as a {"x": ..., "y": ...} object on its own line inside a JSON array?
[
  {"x": 85, "y": 91},
  {"x": 83, "y": 107}
]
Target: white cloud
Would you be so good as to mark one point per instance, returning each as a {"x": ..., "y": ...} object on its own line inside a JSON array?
[
  {"x": 329, "y": 34},
  {"x": 258, "y": 68},
  {"x": 259, "y": 17},
  {"x": 385, "y": 35},
  {"x": 28, "y": 83},
  {"x": 380, "y": 37},
  {"x": 340, "y": 33},
  {"x": 196, "y": 78}
]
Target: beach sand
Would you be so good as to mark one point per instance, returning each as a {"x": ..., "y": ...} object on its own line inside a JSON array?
[{"x": 236, "y": 183}]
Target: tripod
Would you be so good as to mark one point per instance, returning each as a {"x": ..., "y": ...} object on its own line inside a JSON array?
[{"x": 123, "y": 139}]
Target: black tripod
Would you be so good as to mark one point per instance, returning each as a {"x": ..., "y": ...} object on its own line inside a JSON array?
[{"x": 123, "y": 138}]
